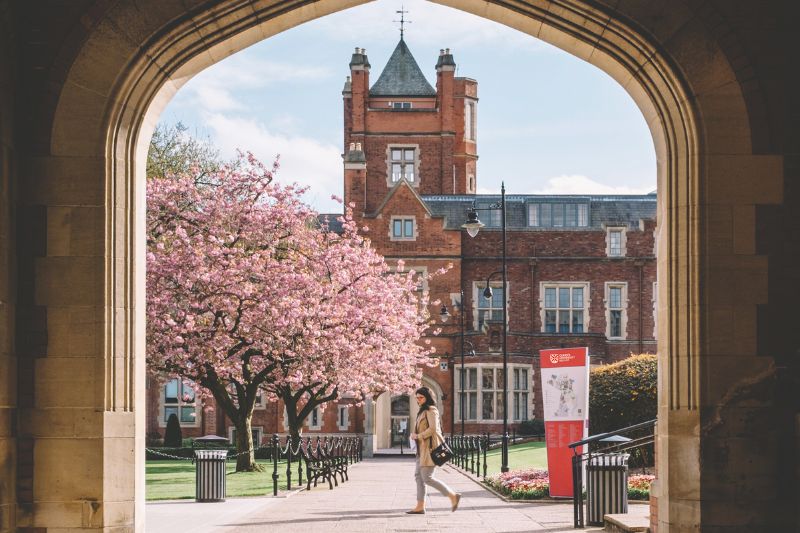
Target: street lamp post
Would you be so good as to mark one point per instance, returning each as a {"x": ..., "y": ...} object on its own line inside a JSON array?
[{"x": 473, "y": 225}]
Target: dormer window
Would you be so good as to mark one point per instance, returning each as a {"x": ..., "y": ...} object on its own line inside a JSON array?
[
  {"x": 615, "y": 241},
  {"x": 558, "y": 215},
  {"x": 400, "y": 105}
]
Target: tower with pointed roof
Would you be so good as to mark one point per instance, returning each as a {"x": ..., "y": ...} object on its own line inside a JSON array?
[{"x": 408, "y": 130}]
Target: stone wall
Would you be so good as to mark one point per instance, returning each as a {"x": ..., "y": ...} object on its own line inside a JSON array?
[{"x": 8, "y": 354}]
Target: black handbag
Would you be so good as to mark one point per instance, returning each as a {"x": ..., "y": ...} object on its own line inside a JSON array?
[{"x": 441, "y": 454}]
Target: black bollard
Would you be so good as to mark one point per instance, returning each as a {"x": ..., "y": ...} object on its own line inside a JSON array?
[{"x": 275, "y": 452}]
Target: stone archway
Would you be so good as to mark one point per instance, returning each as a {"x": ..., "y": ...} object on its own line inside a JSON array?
[{"x": 132, "y": 59}]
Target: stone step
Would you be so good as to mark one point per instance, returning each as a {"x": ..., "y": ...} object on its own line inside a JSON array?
[{"x": 624, "y": 523}]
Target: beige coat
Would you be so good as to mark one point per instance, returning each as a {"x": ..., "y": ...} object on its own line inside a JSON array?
[{"x": 429, "y": 435}]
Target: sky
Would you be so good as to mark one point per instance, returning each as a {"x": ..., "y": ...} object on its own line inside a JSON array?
[{"x": 547, "y": 122}]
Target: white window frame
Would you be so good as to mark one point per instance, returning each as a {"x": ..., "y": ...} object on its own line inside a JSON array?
[
  {"x": 343, "y": 417},
  {"x": 401, "y": 105},
  {"x": 162, "y": 405},
  {"x": 260, "y": 402},
  {"x": 403, "y": 219},
  {"x": 518, "y": 392},
  {"x": 497, "y": 392},
  {"x": 477, "y": 299},
  {"x": 623, "y": 285},
  {"x": 258, "y": 429},
  {"x": 390, "y": 181},
  {"x": 622, "y": 240},
  {"x": 309, "y": 420},
  {"x": 564, "y": 285},
  {"x": 536, "y": 220},
  {"x": 470, "y": 120}
]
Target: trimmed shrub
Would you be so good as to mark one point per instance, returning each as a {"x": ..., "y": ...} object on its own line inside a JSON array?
[
  {"x": 172, "y": 435},
  {"x": 532, "y": 427},
  {"x": 623, "y": 394}
]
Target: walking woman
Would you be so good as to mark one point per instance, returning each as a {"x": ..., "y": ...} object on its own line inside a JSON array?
[{"x": 428, "y": 434}]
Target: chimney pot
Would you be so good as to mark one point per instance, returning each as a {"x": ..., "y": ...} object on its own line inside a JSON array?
[
  {"x": 447, "y": 51},
  {"x": 441, "y": 51},
  {"x": 352, "y": 146},
  {"x": 358, "y": 146},
  {"x": 357, "y": 49}
]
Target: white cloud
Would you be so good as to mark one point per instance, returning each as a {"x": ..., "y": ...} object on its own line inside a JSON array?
[
  {"x": 217, "y": 88},
  {"x": 431, "y": 25},
  {"x": 577, "y": 184},
  {"x": 304, "y": 160},
  {"x": 569, "y": 184}
]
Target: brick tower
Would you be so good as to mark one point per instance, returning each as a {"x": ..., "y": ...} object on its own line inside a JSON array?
[{"x": 407, "y": 130}]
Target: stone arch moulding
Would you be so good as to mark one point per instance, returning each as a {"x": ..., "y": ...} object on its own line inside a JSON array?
[{"x": 139, "y": 54}]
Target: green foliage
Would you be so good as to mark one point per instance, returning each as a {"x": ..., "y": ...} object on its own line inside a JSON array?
[
  {"x": 532, "y": 427},
  {"x": 623, "y": 394},
  {"x": 173, "y": 152},
  {"x": 172, "y": 436}
]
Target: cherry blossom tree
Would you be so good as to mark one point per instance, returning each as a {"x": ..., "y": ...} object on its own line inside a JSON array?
[{"x": 249, "y": 294}]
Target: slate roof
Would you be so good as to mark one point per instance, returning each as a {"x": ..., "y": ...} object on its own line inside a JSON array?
[
  {"x": 603, "y": 209},
  {"x": 402, "y": 76}
]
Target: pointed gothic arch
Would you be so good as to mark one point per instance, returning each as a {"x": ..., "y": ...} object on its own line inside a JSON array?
[{"x": 134, "y": 56}]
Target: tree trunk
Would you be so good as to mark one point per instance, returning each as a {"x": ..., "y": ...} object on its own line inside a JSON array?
[{"x": 246, "y": 459}]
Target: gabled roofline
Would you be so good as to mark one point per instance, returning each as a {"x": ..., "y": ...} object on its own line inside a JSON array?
[{"x": 392, "y": 192}]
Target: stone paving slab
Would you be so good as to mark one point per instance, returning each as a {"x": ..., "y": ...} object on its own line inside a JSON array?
[{"x": 374, "y": 500}]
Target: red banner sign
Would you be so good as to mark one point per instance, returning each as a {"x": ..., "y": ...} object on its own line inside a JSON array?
[{"x": 565, "y": 397}]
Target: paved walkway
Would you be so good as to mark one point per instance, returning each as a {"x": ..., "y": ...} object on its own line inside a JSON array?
[{"x": 374, "y": 500}]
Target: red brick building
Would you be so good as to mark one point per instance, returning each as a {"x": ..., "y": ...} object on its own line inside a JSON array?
[{"x": 581, "y": 269}]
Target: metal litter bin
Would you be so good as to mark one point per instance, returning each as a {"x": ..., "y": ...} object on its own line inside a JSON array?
[
  {"x": 210, "y": 475},
  {"x": 606, "y": 486}
]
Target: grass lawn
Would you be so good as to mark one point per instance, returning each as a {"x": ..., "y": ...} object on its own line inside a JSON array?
[
  {"x": 527, "y": 455},
  {"x": 172, "y": 480}
]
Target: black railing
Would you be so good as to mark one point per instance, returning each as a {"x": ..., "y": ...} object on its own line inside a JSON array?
[
  {"x": 469, "y": 452},
  {"x": 606, "y": 449},
  {"x": 320, "y": 458}
]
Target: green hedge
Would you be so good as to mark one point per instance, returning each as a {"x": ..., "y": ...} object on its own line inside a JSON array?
[{"x": 623, "y": 394}]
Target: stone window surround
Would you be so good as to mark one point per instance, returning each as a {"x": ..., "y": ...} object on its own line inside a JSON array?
[
  {"x": 624, "y": 319},
  {"x": 417, "y": 158},
  {"x": 587, "y": 300},
  {"x": 477, "y": 297},
  {"x": 308, "y": 420},
  {"x": 403, "y": 217},
  {"x": 479, "y": 390},
  {"x": 418, "y": 270},
  {"x": 654, "y": 299},
  {"x": 161, "y": 404},
  {"x": 623, "y": 240},
  {"x": 259, "y": 429},
  {"x": 259, "y": 403},
  {"x": 343, "y": 423},
  {"x": 470, "y": 119}
]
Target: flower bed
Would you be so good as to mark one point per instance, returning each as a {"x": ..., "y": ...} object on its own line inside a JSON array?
[
  {"x": 639, "y": 486},
  {"x": 528, "y": 484},
  {"x": 534, "y": 484}
]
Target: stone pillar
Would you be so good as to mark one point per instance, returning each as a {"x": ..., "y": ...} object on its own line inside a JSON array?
[{"x": 369, "y": 427}]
